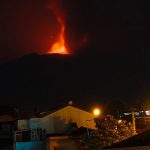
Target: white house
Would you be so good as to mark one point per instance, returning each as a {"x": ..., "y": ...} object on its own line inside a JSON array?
[
  {"x": 53, "y": 123},
  {"x": 58, "y": 121}
]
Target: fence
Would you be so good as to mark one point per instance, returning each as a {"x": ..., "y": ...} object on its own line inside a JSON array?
[{"x": 30, "y": 135}]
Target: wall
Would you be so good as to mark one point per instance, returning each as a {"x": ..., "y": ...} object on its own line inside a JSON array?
[
  {"x": 81, "y": 118},
  {"x": 57, "y": 122},
  {"x": 64, "y": 116},
  {"x": 23, "y": 124},
  {"x": 32, "y": 145}
]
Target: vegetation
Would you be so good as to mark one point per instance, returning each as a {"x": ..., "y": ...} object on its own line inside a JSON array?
[{"x": 109, "y": 131}]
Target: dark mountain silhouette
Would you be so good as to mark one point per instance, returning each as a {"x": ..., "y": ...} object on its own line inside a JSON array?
[{"x": 47, "y": 81}]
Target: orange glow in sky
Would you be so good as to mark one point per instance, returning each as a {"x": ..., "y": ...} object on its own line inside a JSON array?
[{"x": 59, "y": 46}]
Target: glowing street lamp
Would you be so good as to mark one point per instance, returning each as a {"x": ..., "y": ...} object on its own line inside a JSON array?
[{"x": 96, "y": 112}]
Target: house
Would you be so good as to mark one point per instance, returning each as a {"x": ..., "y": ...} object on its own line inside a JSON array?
[
  {"x": 58, "y": 121},
  {"x": 60, "y": 126},
  {"x": 142, "y": 120}
]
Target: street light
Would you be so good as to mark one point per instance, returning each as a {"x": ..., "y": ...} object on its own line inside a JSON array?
[{"x": 96, "y": 112}]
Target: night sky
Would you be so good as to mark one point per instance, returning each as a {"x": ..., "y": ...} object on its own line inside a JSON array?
[{"x": 108, "y": 42}]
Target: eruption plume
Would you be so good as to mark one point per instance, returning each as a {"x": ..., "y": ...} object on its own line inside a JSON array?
[{"x": 59, "y": 46}]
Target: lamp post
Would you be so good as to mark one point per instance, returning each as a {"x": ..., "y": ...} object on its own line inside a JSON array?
[
  {"x": 133, "y": 119},
  {"x": 96, "y": 113},
  {"x": 133, "y": 122}
]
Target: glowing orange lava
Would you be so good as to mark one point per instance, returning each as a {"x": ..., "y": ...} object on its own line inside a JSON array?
[{"x": 59, "y": 46}]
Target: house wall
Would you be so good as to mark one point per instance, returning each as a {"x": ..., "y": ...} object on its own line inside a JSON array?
[
  {"x": 47, "y": 123},
  {"x": 81, "y": 117},
  {"x": 31, "y": 145},
  {"x": 62, "y": 117},
  {"x": 23, "y": 124},
  {"x": 57, "y": 122}
]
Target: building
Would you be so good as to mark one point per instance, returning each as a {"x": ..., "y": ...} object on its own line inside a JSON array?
[
  {"x": 60, "y": 126},
  {"x": 142, "y": 120},
  {"x": 58, "y": 121}
]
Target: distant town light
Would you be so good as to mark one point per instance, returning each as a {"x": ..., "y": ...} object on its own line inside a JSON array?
[
  {"x": 119, "y": 121},
  {"x": 147, "y": 112}
]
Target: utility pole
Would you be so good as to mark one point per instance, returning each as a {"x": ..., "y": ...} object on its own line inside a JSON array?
[{"x": 133, "y": 122}]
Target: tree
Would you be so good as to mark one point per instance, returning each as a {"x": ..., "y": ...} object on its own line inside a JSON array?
[
  {"x": 108, "y": 131},
  {"x": 111, "y": 130}
]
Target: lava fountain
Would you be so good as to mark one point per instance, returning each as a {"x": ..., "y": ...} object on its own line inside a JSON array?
[
  {"x": 59, "y": 46},
  {"x": 59, "y": 10}
]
